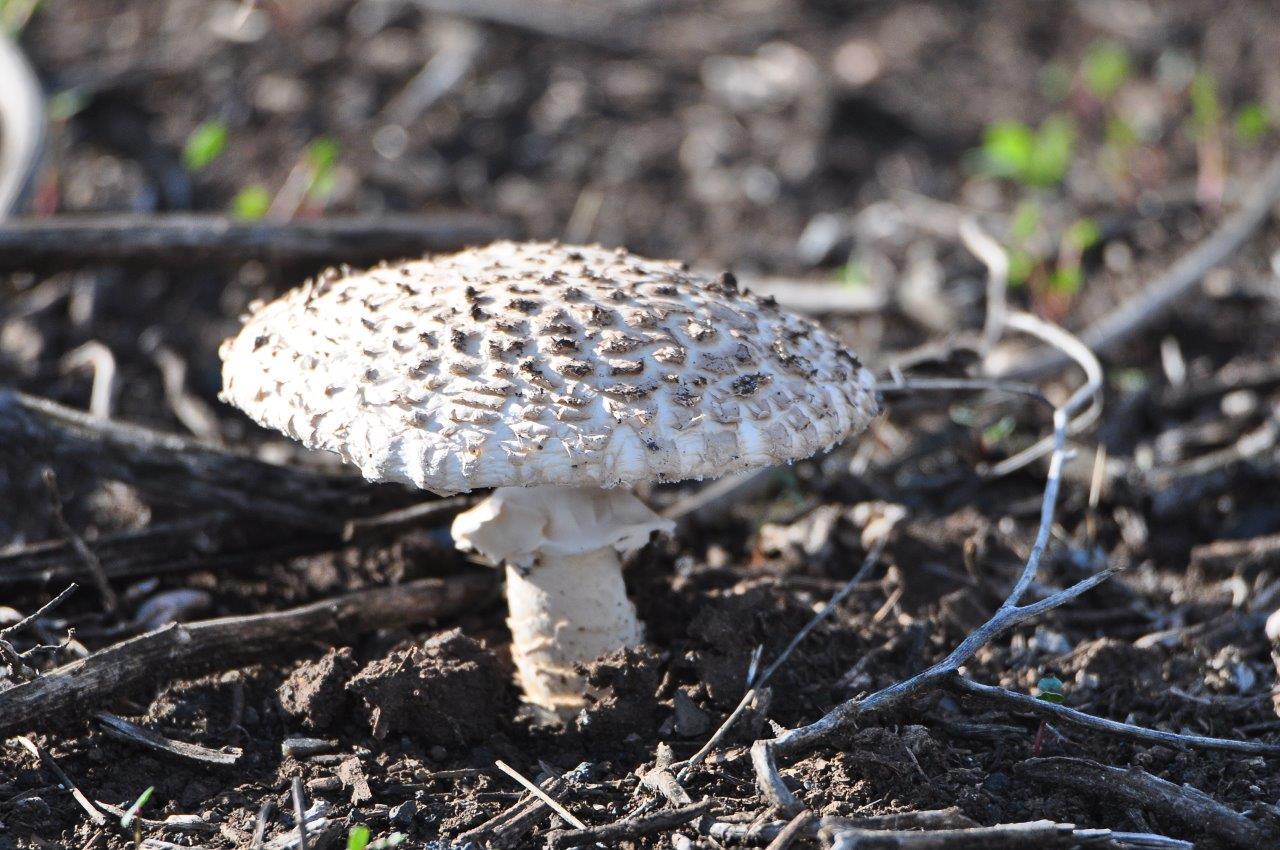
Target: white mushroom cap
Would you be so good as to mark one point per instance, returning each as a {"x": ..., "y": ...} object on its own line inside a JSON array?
[{"x": 539, "y": 363}]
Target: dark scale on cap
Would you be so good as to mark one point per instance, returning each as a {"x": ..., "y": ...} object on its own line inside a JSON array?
[
  {"x": 625, "y": 367},
  {"x": 748, "y": 385},
  {"x": 528, "y": 306},
  {"x": 564, "y": 344},
  {"x": 599, "y": 317},
  {"x": 458, "y": 339},
  {"x": 576, "y": 368}
]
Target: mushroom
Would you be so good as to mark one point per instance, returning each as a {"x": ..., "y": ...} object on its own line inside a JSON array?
[{"x": 560, "y": 376}]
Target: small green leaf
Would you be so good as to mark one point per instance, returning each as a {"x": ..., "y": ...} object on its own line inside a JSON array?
[
  {"x": 251, "y": 203},
  {"x": 853, "y": 274},
  {"x": 205, "y": 144},
  {"x": 963, "y": 416},
  {"x": 322, "y": 158},
  {"x": 1082, "y": 235},
  {"x": 1252, "y": 122},
  {"x": 1050, "y": 689},
  {"x": 1021, "y": 264},
  {"x": 1007, "y": 147},
  {"x": 133, "y": 810},
  {"x": 1206, "y": 111},
  {"x": 1026, "y": 218},
  {"x": 1106, "y": 67},
  {"x": 1129, "y": 380},
  {"x": 1066, "y": 281},
  {"x": 358, "y": 837},
  {"x": 1051, "y": 156},
  {"x": 66, "y": 104},
  {"x": 1120, "y": 134},
  {"x": 997, "y": 432}
]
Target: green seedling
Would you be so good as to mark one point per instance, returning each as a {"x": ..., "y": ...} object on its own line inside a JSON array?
[
  {"x": 321, "y": 156},
  {"x": 1206, "y": 110},
  {"x": 1105, "y": 69},
  {"x": 1252, "y": 123},
  {"x": 205, "y": 144},
  {"x": 1082, "y": 235},
  {"x": 1032, "y": 157},
  {"x": 1049, "y": 689},
  {"x": 853, "y": 274},
  {"x": 251, "y": 203},
  {"x": 66, "y": 104},
  {"x": 359, "y": 839}
]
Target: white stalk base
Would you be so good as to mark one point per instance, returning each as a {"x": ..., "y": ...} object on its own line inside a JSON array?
[{"x": 568, "y": 610}]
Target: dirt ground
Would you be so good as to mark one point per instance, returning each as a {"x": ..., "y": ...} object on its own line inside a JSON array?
[{"x": 784, "y": 139}]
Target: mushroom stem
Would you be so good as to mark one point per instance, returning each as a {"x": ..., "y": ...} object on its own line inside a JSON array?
[
  {"x": 567, "y": 611},
  {"x": 562, "y": 547}
]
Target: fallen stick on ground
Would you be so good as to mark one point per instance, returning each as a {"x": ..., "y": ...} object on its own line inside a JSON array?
[
  {"x": 610, "y": 834},
  {"x": 1034, "y": 835},
  {"x": 1184, "y": 804},
  {"x": 205, "y": 541},
  {"x": 79, "y": 689},
  {"x": 53, "y": 767},
  {"x": 181, "y": 239},
  {"x": 1074, "y": 717},
  {"x": 118, "y": 727},
  {"x": 757, "y": 834},
  {"x": 175, "y": 468}
]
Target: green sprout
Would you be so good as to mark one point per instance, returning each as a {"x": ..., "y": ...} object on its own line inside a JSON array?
[
  {"x": 853, "y": 274},
  {"x": 1206, "y": 111},
  {"x": 205, "y": 144},
  {"x": 1082, "y": 235},
  {"x": 1050, "y": 690},
  {"x": 251, "y": 203},
  {"x": 321, "y": 156},
  {"x": 1023, "y": 227},
  {"x": 1105, "y": 69},
  {"x": 1032, "y": 157},
  {"x": 66, "y": 104},
  {"x": 359, "y": 839},
  {"x": 1129, "y": 380},
  {"x": 999, "y": 431},
  {"x": 1252, "y": 123}
]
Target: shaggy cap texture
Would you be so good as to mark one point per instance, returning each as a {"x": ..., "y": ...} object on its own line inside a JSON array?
[{"x": 541, "y": 363}]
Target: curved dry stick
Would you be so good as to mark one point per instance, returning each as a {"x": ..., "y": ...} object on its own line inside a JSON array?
[
  {"x": 764, "y": 752},
  {"x": 1111, "y": 727},
  {"x": 22, "y": 125}
]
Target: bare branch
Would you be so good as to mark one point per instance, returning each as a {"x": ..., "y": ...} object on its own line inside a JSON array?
[{"x": 1084, "y": 720}]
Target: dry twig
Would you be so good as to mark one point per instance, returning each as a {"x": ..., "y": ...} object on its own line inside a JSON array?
[
  {"x": 1186, "y": 805},
  {"x": 610, "y": 834},
  {"x": 1111, "y": 727},
  {"x": 118, "y": 727},
  {"x": 178, "y": 239},
  {"x": 65, "y": 781},
  {"x": 172, "y": 467}
]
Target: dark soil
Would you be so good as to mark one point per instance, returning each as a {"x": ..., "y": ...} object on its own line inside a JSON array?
[{"x": 749, "y": 133}]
